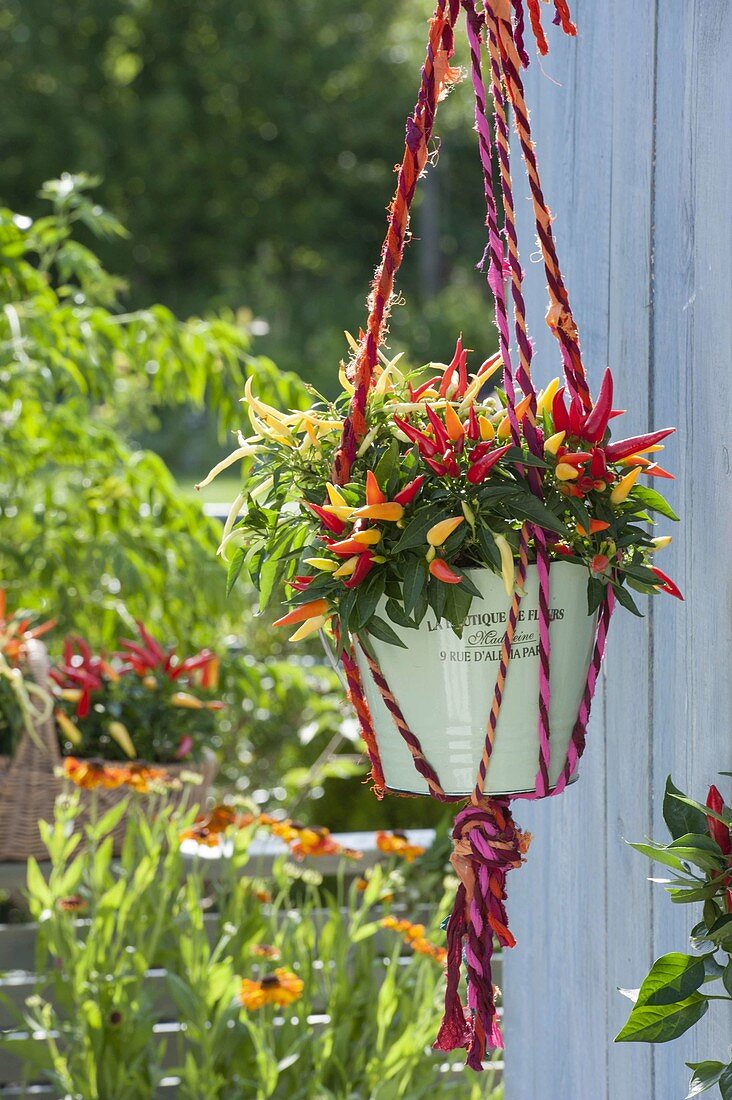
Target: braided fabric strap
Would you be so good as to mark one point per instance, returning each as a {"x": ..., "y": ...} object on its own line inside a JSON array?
[
  {"x": 361, "y": 707},
  {"x": 559, "y": 317},
  {"x": 437, "y": 78},
  {"x": 486, "y": 845}
]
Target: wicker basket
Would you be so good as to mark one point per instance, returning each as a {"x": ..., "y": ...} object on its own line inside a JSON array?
[{"x": 29, "y": 783}]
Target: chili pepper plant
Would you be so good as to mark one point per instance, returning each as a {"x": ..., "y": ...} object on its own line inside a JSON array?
[
  {"x": 143, "y": 702},
  {"x": 681, "y": 988},
  {"x": 438, "y": 487}
]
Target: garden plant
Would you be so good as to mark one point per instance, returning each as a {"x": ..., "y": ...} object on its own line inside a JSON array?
[{"x": 681, "y": 988}]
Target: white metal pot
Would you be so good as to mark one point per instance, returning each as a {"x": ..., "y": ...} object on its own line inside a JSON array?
[{"x": 444, "y": 687}]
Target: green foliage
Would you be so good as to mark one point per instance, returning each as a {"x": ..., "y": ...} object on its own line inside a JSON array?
[
  {"x": 250, "y": 150},
  {"x": 674, "y": 995},
  {"x": 436, "y": 487},
  {"x": 360, "y": 1027},
  {"x": 89, "y": 524}
]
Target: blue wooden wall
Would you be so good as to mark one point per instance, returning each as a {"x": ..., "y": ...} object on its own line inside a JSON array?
[{"x": 632, "y": 124}]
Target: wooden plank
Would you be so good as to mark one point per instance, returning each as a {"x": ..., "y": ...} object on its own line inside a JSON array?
[
  {"x": 692, "y": 337},
  {"x": 663, "y": 69},
  {"x": 555, "y": 978}
]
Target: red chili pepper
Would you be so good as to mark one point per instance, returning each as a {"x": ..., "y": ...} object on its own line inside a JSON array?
[
  {"x": 576, "y": 416},
  {"x": 300, "y": 583},
  {"x": 626, "y": 447},
  {"x": 596, "y": 422},
  {"x": 363, "y": 567},
  {"x": 416, "y": 394},
  {"x": 410, "y": 490},
  {"x": 451, "y": 463},
  {"x": 462, "y": 376},
  {"x": 348, "y": 547},
  {"x": 442, "y": 572},
  {"x": 481, "y": 450},
  {"x": 718, "y": 830},
  {"x": 437, "y": 467},
  {"x": 330, "y": 522},
  {"x": 441, "y": 437},
  {"x": 473, "y": 430},
  {"x": 598, "y": 465},
  {"x": 559, "y": 412},
  {"x": 574, "y": 458},
  {"x": 654, "y": 470},
  {"x": 667, "y": 585},
  {"x": 427, "y": 448},
  {"x": 450, "y": 370},
  {"x": 153, "y": 646},
  {"x": 480, "y": 469}
]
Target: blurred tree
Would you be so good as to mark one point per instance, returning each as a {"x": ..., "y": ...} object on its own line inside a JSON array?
[{"x": 250, "y": 150}]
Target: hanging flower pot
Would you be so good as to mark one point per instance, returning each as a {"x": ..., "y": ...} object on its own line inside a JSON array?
[
  {"x": 443, "y": 685},
  {"x": 461, "y": 544}
]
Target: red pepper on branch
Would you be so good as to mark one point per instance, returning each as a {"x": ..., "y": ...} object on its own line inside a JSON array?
[
  {"x": 409, "y": 492},
  {"x": 666, "y": 584},
  {"x": 614, "y": 452},
  {"x": 442, "y": 572},
  {"x": 331, "y": 523},
  {"x": 597, "y": 419},
  {"x": 480, "y": 469},
  {"x": 363, "y": 568}
]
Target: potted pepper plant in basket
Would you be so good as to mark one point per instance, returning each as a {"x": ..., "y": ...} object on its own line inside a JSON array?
[
  {"x": 415, "y": 556},
  {"x": 143, "y": 703}
]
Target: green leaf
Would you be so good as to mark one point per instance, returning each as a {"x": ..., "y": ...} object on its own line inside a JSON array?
[
  {"x": 653, "y": 501},
  {"x": 235, "y": 568},
  {"x": 725, "y": 1083},
  {"x": 672, "y": 978},
  {"x": 380, "y": 629},
  {"x": 415, "y": 575},
  {"x": 704, "y": 1076},
  {"x": 415, "y": 533},
  {"x": 679, "y": 816},
  {"x": 727, "y": 977},
  {"x": 660, "y": 854},
  {"x": 624, "y": 597},
  {"x": 661, "y": 1023},
  {"x": 530, "y": 507},
  {"x": 396, "y": 613},
  {"x": 368, "y": 594},
  {"x": 699, "y": 849}
]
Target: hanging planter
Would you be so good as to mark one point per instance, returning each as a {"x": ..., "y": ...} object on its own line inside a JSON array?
[
  {"x": 461, "y": 545},
  {"x": 442, "y": 684}
]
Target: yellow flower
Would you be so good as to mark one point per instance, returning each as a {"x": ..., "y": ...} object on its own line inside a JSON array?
[{"x": 281, "y": 988}]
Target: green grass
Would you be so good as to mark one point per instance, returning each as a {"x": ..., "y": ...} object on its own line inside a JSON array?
[{"x": 221, "y": 491}]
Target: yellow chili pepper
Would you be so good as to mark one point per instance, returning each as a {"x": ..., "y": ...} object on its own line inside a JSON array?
[
  {"x": 487, "y": 431},
  {"x": 68, "y": 728},
  {"x": 661, "y": 542},
  {"x": 390, "y": 512},
  {"x": 310, "y": 626},
  {"x": 369, "y": 537},
  {"x": 348, "y": 567},
  {"x": 545, "y": 398},
  {"x": 565, "y": 472},
  {"x": 186, "y": 701},
  {"x": 336, "y": 498},
  {"x": 440, "y": 532},
  {"x": 553, "y": 443},
  {"x": 507, "y": 567},
  {"x": 623, "y": 487},
  {"x": 119, "y": 733},
  {"x": 325, "y": 565}
]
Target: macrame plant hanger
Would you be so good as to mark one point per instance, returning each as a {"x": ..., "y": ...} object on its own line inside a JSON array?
[{"x": 486, "y": 841}]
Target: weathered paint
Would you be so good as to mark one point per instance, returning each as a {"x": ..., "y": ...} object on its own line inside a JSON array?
[{"x": 635, "y": 157}]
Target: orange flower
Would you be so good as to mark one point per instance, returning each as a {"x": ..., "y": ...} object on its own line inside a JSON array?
[
  {"x": 413, "y": 935},
  {"x": 281, "y": 988},
  {"x": 317, "y": 841},
  {"x": 73, "y": 904},
  {"x": 90, "y": 774},
  {"x": 397, "y": 844},
  {"x": 141, "y": 777},
  {"x": 264, "y": 951}
]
